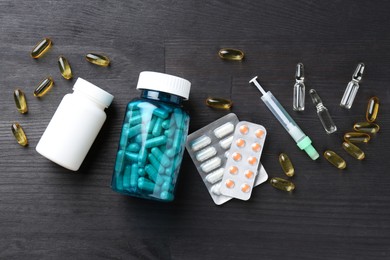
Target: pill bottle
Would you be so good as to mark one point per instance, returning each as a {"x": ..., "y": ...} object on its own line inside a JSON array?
[
  {"x": 153, "y": 138},
  {"x": 75, "y": 125}
]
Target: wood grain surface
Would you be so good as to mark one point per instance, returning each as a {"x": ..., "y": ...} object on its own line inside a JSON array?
[{"x": 48, "y": 212}]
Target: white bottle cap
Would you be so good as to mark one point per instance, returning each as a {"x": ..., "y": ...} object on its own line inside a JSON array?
[
  {"x": 165, "y": 83},
  {"x": 97, "y": 94}
]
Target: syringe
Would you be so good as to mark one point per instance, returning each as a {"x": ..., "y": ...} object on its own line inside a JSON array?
[{"x": 302, "y": 140}]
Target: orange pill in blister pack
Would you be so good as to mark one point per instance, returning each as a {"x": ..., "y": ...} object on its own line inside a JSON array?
[{"x": 244, "y": 158}]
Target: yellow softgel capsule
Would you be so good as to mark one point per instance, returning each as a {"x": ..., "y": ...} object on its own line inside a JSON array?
[
  {"x": 19, "y": 134},
  {"x": 231, "y": 54},
  {"x": 353, "y": 150},
  {"x": 65, "y": 69},
  {"x": 41, "y": 48},
  {"x": 366, "y": 127},
  {"x": 356, "y": 137},
  {"x": 335, "y": 159},
  {"x": 98, "y": 59},
  {"x": 219, "y": 103},
  {"x": 20, "y": 101},
  {"x": 43, "y": 87},
  {"x": 282, "y": 184},
  {"x": 286, "y": 164},
  {"x": 372, "y": 109}
]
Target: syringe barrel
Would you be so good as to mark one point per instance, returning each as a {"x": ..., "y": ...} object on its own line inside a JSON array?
[{"x": 283, "y": 117}]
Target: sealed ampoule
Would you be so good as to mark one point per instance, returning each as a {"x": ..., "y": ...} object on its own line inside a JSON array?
[
  {"x": 323, "y": 113},
  {"x": 299, "y": 89},
  {"x": 243, "y": 161},
  {"x": 208, "y": 148},
  {"x": 153, "y": 137},
  {"x": 352, "y": 87}
]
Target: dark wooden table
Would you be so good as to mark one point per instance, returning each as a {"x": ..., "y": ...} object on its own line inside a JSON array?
[{"x": 47, "y": 212}]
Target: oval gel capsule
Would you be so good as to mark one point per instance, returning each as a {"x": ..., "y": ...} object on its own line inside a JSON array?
[
  {"x": 335, "y": 159},
  {"x": 286, "y": 164},
  {"x": 41, "y": 48},
  {"x": 65, "y": 68},
  {"x": 372, "y": 109},
  {"x": 20, "y": 101},
  {"x": 356, "y": 137},
  {"x": 366, "y": 127},
  {"x": 98, "y": 59},
  {"x": 231, "y": 54},
  {"x": 282, "y": 184},
  {"x": 353, "y": 150}
]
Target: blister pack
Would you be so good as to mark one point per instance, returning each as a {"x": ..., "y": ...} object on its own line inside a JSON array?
[
  {"x": 208, "y": 148},
  {"x": 243, "y": 160}
]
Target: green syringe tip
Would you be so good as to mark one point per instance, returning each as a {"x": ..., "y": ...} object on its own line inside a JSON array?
[{"x": 305, "y": 144}]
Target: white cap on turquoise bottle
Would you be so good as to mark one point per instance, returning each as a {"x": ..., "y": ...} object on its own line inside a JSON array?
[{"x": 164, "y": 83}]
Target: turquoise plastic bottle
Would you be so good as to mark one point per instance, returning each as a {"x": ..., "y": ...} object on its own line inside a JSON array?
[{"x": 153, "y": 138}]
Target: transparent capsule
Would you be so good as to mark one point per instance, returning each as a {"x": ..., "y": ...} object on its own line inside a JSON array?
[
  {"x": 323, "y": 113},
  {"x": 20, "y": 101},
  {"x": 231, "y": 54},
  {"x": 356, "y": 137},
  {"x": 43, "y": 87},
  {"x": 19, "y": 134},
  {"x": 41, "y": 48},
  {"x": 335, "y": 159},
  {"x": 372, "y": 109},
  {"x": 352, "y": 87},
  {"x": 299, "y": 89},
  {"x": 65, "y": 68},
  {"x": 353, "y": 150},
  {"x": 219, "y": 103},
  {"x": 282, "y": 184},
  {"x": 286, "y": 164},
  {"x": 366, "y": 127},
  {"x": 98, "y": 59}
]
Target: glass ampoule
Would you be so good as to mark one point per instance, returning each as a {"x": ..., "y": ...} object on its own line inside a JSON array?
[
  {"x": 352, "y": 87},
  {"x": 299, "y": 89},
  {"x": 323, "y": 113}
]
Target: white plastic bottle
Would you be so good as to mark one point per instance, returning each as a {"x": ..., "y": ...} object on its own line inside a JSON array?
[{"x": 75, "y": 125}]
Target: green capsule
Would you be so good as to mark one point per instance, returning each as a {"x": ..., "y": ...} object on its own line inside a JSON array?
[
  {"x": 133, "y": 147},
  {"x": 19, "y": 134},
  {"x": 146, "y": 185},
  {"x": 231, "y": 54},
  {"x": 156, "y": 164},
  {"x": 41, "y": 48},
  {"x": 366, "y": 127},
  {"x": 164, "y": 159},
  {"x": 156, "y": 141},
  {"x": 282, "y": 184},
  {"x": 372, "y": 109},
  {"x": 133, "y": 131},
  {"x": 43, "y": 87},
  {"x": 132, "y": 157},
  {"x": 335, "y": 159},
  {"x": 165, "y": 195},
  {"x": 98, "y": 59},
  {"x": 20, "y": 101},
  {"x": 355, "y": 137},
  {"x": 353, "y": 150},
  {"x": 135, "y": 120},
  {"x": 286, "y": 164},
  {"x": 120, "y": 157},
  {"x": 162, "y": 113},
  {"x": 65, "y": 69},
  {"x": 157, "y": 127},
  {"x": 126, "y": 178},
  {"x": 219, "y": 103},
  {"x": 134, "y": 175}
]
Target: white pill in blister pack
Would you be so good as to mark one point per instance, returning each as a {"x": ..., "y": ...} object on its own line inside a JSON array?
[
  {"x": 215, "y": 176},
  {"x": 211, "y": 164},
  {"x": 225, "y": 143},
  {"x": 243, "y": 160},
  {"x": 206, "y": 154},
  {"x": 224, "y": 130},
  {"x": 200, "y": 142}
]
